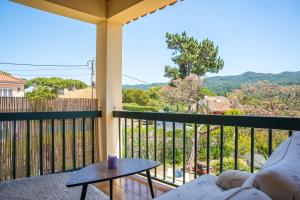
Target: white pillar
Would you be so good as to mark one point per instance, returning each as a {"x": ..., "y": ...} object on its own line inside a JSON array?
[{"x": 109, "y": 84}]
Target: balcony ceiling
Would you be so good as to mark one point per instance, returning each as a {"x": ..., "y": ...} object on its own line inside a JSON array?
[{"x": 96, "y": 11}]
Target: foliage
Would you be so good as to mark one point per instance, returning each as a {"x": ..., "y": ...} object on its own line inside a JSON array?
[
  {"x": 186, "y": 91},
  {"x": 228, "y": 163},
  {"x": 41, "y": 92},
  {"x": 224, "y": 84},
  {"x": 244, "y": 138},
  {"x": 137, "y": 96},
  {"x": 192, "y": 56},
  {"x": 207, "y": 92},
  {"x": 136, "y": 107},
  {"x": 143, "y": 86},
  {"x": 51, "y": 86},
  {"x": 265, "y": 98},
  {"x": 153, "y": 92},
  {"x": 233, "y": 112}
]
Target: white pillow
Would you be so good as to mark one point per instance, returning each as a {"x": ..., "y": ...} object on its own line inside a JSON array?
[
  {"x": 232, "y": 179},
  {"x": 280, "y": 177}
]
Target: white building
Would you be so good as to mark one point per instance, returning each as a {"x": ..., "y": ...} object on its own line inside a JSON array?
[{"x": 11, "y": 86}]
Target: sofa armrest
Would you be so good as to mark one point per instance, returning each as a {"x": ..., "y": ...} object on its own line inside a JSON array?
[{"x": 232, "y": 179}]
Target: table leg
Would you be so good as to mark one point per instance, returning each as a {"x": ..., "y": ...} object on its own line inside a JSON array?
[
  {"x": 150, "y": 183},
  {"x": 111, "y": 189},
  {"x": 83, "y": 192}
]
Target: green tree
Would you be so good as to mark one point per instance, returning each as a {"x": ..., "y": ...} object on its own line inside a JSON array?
[
  {"x": 51, "y": 86},
  {"x": 186, "y": 91},
  {"x": 41, "y": 92},
  {"x": 137, "y": 96},
  {"x": 192, "y": 56},
  {"x": 267, "y": 99}
]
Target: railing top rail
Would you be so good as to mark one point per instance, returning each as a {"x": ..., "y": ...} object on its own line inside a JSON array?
[
  {"x": 16, "y": 116},
  {"x": 284, "y": 123}
]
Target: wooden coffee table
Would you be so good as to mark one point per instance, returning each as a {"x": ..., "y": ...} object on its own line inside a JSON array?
[{"x": 99, "y": 172}]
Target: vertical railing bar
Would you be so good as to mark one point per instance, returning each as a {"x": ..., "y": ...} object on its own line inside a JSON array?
[
  {"x": 196, "y": 150},
  {"x": 164, "y": 150},
  {"x": 208, "y": 148},
  {"x": 270, "y": 141},
  {"x": 252, "y": 150},
  {"x": 52, "y": 147},
  {"x": 147, "y": 140},
  {"x": 173, "y": 151},
  {"x": 120, "y": 138},
  {"x": 155, "y": 147},
  {"x": 14, "y": 161},
  {"x": 125, "y": 141},
  {"x": 28, "y": 148},
  {"x": 184, "y": 148},
  {"x": 290, "y": 133},
  {"x": 236, "y": 147},
  {"x": 221, "y": 147},
  {"x": 132, "y": 138},
  {"x": 63, "y": 144},
  {"x": 41, "y": 148},
  {"x": 74, "y": 143},
  {"x": 139, "y": 138},
  {"x": 93, "y": 139},
  {"x": 83, "y": 142}
]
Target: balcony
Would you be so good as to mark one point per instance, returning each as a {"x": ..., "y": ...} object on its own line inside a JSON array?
[
  {"x": 59, "y": 137},
  {"x": 187, "y": 145},
  {"x": 207, "y": 143}
]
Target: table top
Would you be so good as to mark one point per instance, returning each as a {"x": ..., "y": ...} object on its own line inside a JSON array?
[{"x": 99, "y": 172}]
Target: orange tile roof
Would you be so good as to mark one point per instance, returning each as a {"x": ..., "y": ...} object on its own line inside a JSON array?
[{"x": 5, "y": 78}]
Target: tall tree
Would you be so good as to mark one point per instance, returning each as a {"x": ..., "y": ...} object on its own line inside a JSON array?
[
  {"x": 137, "y": 96},
  {"x": 192, "y": 56},
  {"x": 186, "y": 91},
  {"x": 49, "y": 87}
]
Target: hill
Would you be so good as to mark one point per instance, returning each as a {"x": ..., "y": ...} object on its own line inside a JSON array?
[
  {"x": 223, "y": 84},
  {"x": 143, "y": 86}
]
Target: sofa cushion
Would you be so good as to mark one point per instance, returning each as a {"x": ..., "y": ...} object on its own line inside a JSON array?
[
  {"x": 50, "y": 187},
  {"x": 280, "y": 177},
  {"x": 232, "y": 179},
  {"x": 200, "y": 188}
]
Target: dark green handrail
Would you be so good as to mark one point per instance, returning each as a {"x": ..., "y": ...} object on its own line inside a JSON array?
[{"x": 283, "y": 123}]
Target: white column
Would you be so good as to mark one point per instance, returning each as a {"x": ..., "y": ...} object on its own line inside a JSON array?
[{"x": 109, "y": 84}]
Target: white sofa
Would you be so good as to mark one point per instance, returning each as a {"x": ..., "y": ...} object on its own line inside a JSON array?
[{"x": 279, "y": 179}]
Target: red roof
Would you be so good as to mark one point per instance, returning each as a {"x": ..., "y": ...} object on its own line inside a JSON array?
[{"x": 5, "y": 78}]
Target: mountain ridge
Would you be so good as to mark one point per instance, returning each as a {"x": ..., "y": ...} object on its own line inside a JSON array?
[{"x": 223, "y": 84}]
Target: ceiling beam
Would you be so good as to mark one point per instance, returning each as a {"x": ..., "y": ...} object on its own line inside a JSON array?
[
  {"x": 92, "y": 11},
  {"x": 133, "y": 9},
  {"x": 96, "y": 11}
]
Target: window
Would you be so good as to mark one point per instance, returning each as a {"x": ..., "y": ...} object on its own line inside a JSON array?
[
  {"x": 5, "y": 92},
  {"x": 9, "y": 92}
]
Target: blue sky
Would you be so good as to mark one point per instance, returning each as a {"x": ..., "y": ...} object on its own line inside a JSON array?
[{"x": 252, "y": 35}]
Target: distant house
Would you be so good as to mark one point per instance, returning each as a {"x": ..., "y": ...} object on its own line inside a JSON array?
[
  {"x": 217, "y": 104},
  {"x": 81, "y": 93},
  {"x": 11, "y": 86}
]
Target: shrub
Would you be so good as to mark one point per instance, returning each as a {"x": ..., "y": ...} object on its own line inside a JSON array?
[
  {"x": 233, "y": 112},
  {"x": 228, "y": 164},
  {"x": 135, "y": 107}
]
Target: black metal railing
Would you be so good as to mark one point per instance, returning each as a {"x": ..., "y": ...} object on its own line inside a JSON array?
[
  {"x": 37, "y": 143},
  {"x": 175, "y": 137}
]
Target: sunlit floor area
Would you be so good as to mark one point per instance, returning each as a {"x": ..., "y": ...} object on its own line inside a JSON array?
[{"x": 133, "y": 187}]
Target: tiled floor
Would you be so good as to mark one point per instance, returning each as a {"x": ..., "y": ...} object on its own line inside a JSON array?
[{"x": 134, "y": 187}]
